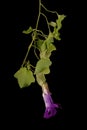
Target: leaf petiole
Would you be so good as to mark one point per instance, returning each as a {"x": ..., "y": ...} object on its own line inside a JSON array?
[
  {"x": 55, "y": 12},
  {"x": 30, "y": 45}
]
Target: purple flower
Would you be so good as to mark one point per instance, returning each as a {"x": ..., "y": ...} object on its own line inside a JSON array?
[{"x": 50, "y": 106}]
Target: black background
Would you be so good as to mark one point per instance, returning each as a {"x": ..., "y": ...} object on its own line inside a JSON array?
[{"x": 26, "y": 107}]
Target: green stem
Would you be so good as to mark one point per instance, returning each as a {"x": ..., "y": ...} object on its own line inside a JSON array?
[
  {"x": 44, "y": 35},
  {"x": 32, "y": 66},
  {"x": 36, "y": 47},
  {"x": 38, "y": 14},
  {"x": 49, "y": 10},
  {"x": 39, "y": 34},
  {"x": 30, "y": 45},
  {"x": 47, "y": 22},
  {"x": 36, "y": 53}
]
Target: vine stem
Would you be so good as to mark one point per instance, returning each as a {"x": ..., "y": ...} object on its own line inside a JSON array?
[
  {"x": 46, "y": 21},
  {"x": 39, "y": 31},
  {"x": 38, "y": 14},
  {"x": 30, "y": 45},
  {"x": 49, "y": 10}
]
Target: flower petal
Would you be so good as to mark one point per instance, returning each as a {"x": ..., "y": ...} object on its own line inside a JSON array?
[
  {"x": 50, "y": 106},
  {"x": 50, "y": 112}
]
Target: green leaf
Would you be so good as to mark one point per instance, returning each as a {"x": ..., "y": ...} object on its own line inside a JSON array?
[
  {"x": 50, "y": 47},
  {"x": 42, "y": 66},
  {"x": 53, "y": 24},
  {"x": 40, "y": 79},
  {"x": 39, "y": 43},
  {"x": 56, "y": 34},
  {"x": 47, "y": 47},
  {"x": 46, "y": 43},
  {"x": 50, "y": 38},
  {"x": 28, "y": 31},
  {"x": 24, "y": 77},
  {"x": 59, "y": 21},
  {"x": 47, "y": 52},
  {"x": 43, "y": 47}
]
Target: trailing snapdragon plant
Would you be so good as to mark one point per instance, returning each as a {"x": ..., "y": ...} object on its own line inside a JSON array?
[{"x": 45, "y": 45}]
